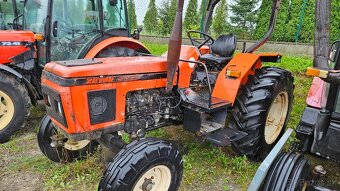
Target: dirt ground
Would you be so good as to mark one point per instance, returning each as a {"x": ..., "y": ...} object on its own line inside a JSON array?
[{"x": 24, "y": 168}]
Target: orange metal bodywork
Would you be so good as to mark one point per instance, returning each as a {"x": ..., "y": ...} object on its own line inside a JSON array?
[
  {"x": 116, "y": 41},
  {"x": 10, "y": 36},
  {"x": 74, "y": 98}
]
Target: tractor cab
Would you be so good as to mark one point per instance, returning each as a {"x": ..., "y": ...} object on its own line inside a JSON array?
[
  {"x": 10, "y": 11},
  {"x": 69, "y": 29}
]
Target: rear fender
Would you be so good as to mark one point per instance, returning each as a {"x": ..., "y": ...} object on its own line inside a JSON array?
[
  {"x": 33, "y": 94},
  {"x": 116, "y": 41},
  {"x": 245, "y": 64}
]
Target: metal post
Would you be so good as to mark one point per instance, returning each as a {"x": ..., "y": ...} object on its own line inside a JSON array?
[
  {"x": 203, "y": 14},
  {"x": 130, "y": 15},
  {"x": 304, "y": 5}
]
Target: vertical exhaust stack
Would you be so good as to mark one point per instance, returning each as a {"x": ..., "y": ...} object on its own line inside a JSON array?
[
  {"x": 174, "y": 48},
  {"x": 321, "y": 41}
]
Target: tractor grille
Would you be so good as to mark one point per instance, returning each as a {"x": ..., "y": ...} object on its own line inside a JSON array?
[
  {"x": 102, "y": 106},
  {"x": 54, "y": 106}
]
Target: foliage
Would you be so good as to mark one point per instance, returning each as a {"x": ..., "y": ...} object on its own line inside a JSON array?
[
  {"x": 288, "y": 21},
  {"x": 219, "y": 23},
  {"x": 191, "y": 16},
  {"x": 151, "y": 18},
  {"x": 132, "y": 14},
  {"x": 244, "y": 16},
  {"x": 167, "y": 13}
]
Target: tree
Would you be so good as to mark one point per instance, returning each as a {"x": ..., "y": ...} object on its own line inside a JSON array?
[
  {"x": 220, "y": 23},
  {"x": 132, "y": 15},
  {"x": 191, "y": 16},
  {"x": 151, "y": 18},
  {"x": 244, "y": 16},
  {"x": 202, "y": 11},
  {"x": 164, "y": 18}
]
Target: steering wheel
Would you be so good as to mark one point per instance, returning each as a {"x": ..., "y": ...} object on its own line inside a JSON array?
[
  {"x": 66, "y": 27},
  {"x": 208, "y": 40}
]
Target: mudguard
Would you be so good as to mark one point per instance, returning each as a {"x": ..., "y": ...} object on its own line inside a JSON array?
[
  {"x": 117, "y": 41},
  {"x": 33, "y": 94}
]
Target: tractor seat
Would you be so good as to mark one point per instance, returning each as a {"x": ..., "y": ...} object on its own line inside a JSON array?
[{"x": 222, "y": 50}]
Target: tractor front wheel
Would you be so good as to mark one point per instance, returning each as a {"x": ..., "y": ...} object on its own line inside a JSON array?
[
  {"x": 58, "y": 148},
  {"x": 148, "y": 164},
  {"x": 261, "y": 110},
  {"x": 14, "y": 106}
]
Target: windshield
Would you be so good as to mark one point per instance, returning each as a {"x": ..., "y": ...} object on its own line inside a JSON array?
[
  {"x": 114, "y": 15},
  {"x": 35, "y": 14},
  {"x": 7, "y": 14}
]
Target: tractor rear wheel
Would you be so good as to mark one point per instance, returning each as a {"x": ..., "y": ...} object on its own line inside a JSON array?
[
  {"x": 290, "y": 171},
  {"x": 14, "y": 106},
  {"x": 147, "y": 164},
  {"x": 261, "y": 110},
  {"x": 58, "y": 148}
]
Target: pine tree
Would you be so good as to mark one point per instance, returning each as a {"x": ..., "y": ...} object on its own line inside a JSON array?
[
  {"x": 172, "y": 13},
  {"x": 132, "y": 14},
  {"x": 164, "y": 18},
  {"x": 202, "y": 11},
  {"x": 191, "y": 16},
  {"x": 244, "y": 16},
  {"x": 220, "y": 23},
  {"x": 151, "y": 18}
]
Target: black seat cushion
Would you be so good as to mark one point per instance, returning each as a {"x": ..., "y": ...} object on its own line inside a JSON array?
[
  {"x": 215, "y": 59},
  {"x": 222, "y": 49}
]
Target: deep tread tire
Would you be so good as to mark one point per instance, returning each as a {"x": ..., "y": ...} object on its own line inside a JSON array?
[
  {"x": 116, "y": 51},
  {"x": 138, "y": 157},
  {"x": 59, "y": 154},
  {"x": 289, "y": 172},
  {"x": 18, "y": 94},
  {"x": 252, "y": 106}
]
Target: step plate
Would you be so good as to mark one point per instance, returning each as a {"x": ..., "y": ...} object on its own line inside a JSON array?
[{"x": 225, "y": 136}]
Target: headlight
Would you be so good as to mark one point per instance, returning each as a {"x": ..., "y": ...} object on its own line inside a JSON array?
[{"x": 98, "y": 105}]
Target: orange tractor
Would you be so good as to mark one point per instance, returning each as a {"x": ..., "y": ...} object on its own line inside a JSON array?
[
  {"x": 224, "y": 98},
  {"x": 10, "y": 11},
  {"x": 55, "y": 30}
]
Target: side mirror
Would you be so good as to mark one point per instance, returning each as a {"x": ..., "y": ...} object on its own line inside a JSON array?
[
  {"x": 334, "y": 49},
  {"x": 136, "y": 33},
  {"x": 55, "y": 28},
  {"x": 113, "y": 2}
]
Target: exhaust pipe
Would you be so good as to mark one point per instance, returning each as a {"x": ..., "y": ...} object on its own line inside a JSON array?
[
  {"x": 272, "y": 22},
  {"x": 321, "y": 41},
  {"x": 174, "y": 48}
]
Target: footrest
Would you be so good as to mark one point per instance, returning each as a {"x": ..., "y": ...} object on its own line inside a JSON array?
[{"x": 225, "y": 136}]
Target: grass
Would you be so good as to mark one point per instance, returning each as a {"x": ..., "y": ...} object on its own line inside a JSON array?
[{"x": 206, "y": 166}]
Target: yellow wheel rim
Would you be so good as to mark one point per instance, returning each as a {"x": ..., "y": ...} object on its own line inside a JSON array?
[
  {"x": 157, "y": 178},
  {"x": 6, "y": 110},
  {"x": 276, "y": 117}
]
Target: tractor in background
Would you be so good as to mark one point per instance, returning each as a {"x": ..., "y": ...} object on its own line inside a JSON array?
[
  {"x": 221, "y": 97},
  {"x": 54, "y": 30},
  {"x": 10, "y": 11}
]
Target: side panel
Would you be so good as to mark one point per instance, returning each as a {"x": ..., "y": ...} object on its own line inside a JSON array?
[
  {"x": 13, "y": 43},
  {"x": 117, "y": 41}
]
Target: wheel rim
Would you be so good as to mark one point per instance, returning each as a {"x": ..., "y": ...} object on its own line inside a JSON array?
[
  {"x": 157, "y": 178},
  {"x": 6, "y": 110},
  {"x": 75, "y": 146},
  {"x": 69, "y": 144},
  {"x": 276, "y": 117}
]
